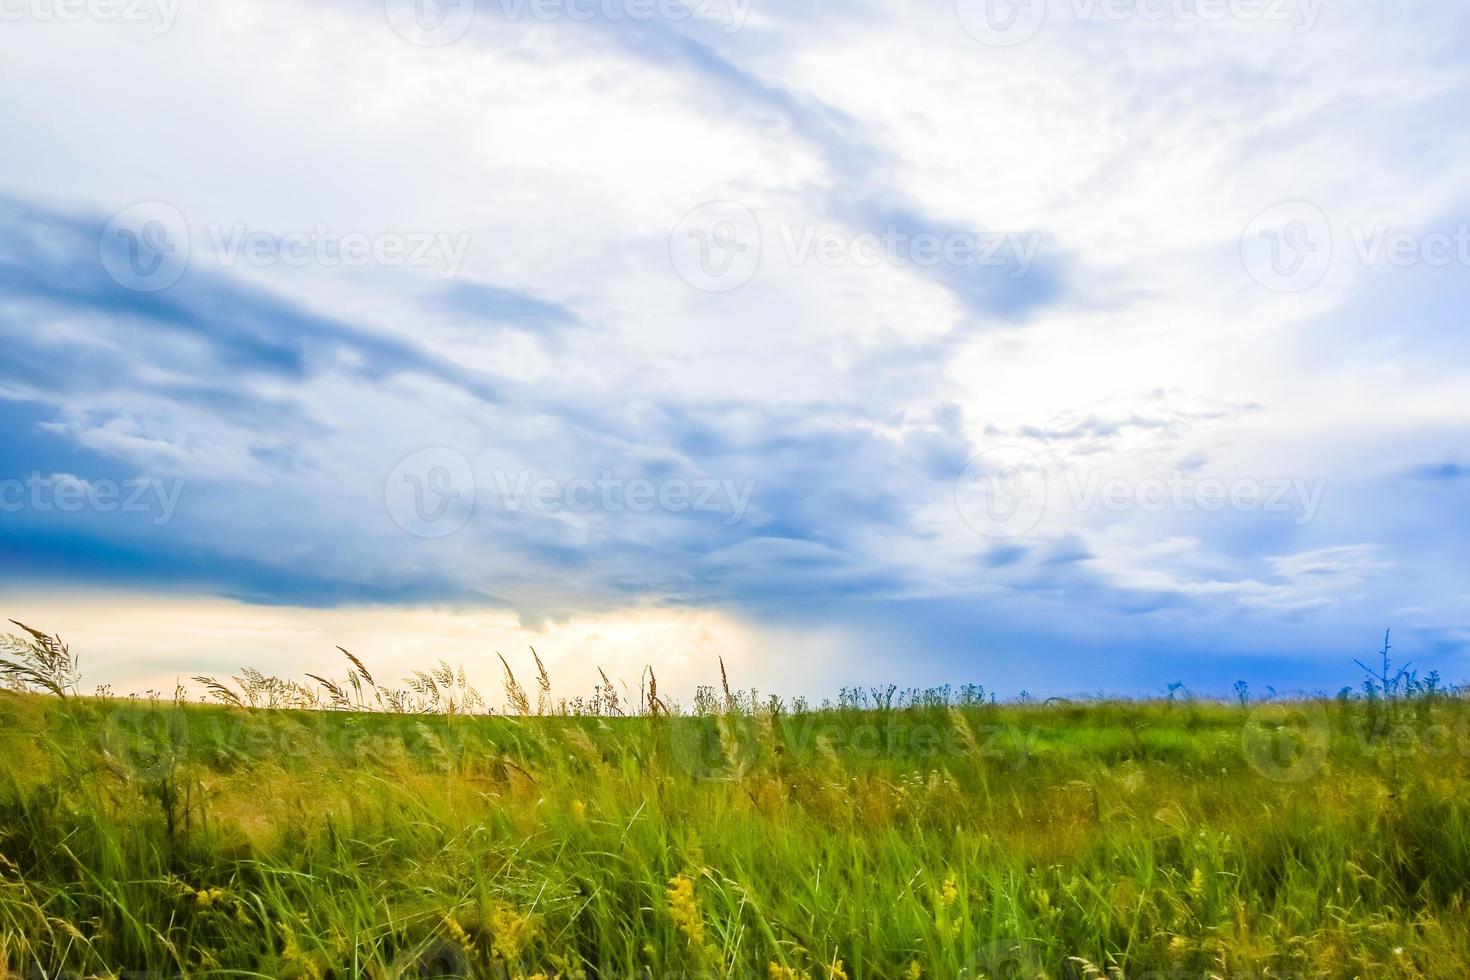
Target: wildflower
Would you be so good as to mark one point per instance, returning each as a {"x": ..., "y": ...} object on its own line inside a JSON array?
[
  {"x": 297, "y": 962},
  {"x": 457, "y": 933},
  {"x": 205, "y": 897},
  {"x": 512, "y": 932},
  {"x": 778, "y": 971},
  {"x": 568, "y": 967},
  {"x": 684, "y": 910},
  {"x": 950, "y": 891},
  {"x": 914, "y": 971}
]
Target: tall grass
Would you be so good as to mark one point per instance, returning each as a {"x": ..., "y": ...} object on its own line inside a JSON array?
[{"x": 890, "y": 834}]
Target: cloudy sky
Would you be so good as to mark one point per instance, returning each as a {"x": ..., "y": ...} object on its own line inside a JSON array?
[{"x": 1061, "y": 345}]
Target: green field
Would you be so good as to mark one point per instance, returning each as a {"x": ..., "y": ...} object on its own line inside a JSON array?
[{"x": 918, "y": 834}]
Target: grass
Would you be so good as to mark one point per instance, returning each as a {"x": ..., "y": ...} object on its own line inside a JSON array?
[{"x": 922, "y": 836}]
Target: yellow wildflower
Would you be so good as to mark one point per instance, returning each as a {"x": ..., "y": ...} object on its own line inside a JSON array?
[
  {"x": 206, "y": 897},
  {"x": 457, "y": 933},
  {"x": 684, "y": 910},
  {"x": 950, "y": 891},
  {"x": 512, "y": 932},
  {"x": 778, "y": 971}
]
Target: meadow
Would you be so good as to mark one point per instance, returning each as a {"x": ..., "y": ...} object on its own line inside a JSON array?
[{"x": 338, "y": 827}]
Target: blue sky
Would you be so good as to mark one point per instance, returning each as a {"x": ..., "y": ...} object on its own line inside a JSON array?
[{"x": 1060, "y": 346}]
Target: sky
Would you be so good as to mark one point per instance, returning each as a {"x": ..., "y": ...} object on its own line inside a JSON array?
[{"x": 1059, "y": 346}]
